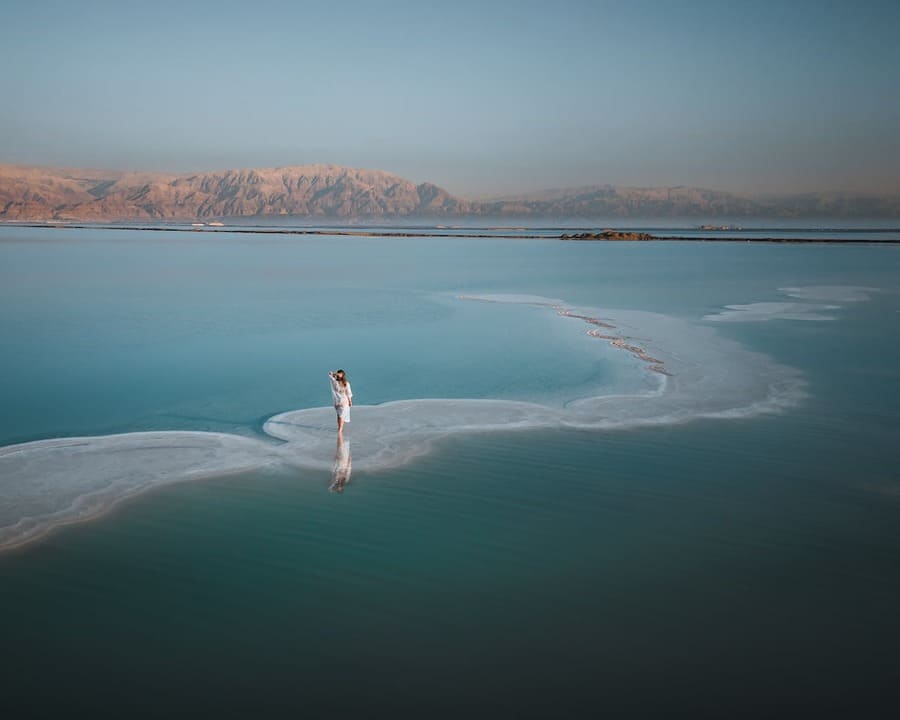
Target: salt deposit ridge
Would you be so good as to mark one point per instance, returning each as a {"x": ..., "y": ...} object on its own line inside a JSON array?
[{"x": 686, "y": 371}]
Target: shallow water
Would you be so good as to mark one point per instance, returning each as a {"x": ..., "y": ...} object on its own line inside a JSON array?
[{"x": 742, "y": 562}]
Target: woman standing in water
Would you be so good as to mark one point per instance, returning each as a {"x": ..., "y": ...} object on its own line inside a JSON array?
[{"x": 342, "y": 396}]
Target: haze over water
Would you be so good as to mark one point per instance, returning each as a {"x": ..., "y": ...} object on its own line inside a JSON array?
[{"x": 537, "y": 523}]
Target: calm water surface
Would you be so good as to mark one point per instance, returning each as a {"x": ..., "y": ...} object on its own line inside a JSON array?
[{"x": 743, "y": 565}]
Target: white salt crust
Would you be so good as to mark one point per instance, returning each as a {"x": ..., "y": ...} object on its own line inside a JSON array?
[{"x": 687, "y": 371}]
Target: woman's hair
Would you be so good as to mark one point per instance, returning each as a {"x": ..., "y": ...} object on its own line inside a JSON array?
[{"x": 341, "y": 376}]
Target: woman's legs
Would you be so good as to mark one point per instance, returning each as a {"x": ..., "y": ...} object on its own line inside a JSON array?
[{"x": 342, "y": 416}]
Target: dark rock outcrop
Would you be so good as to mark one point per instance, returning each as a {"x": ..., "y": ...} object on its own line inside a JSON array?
[{"x": 609, "y": 235}]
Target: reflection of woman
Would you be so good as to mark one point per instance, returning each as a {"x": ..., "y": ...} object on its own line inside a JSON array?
[
  {"x": 340, "y": 473},
  {"x": 342, "y": 396}
]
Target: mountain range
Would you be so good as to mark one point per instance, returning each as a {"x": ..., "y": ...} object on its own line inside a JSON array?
[{"x": 343, "y": 193}]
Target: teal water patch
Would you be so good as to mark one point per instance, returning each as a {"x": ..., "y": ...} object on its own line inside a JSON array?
[
  {"x": 530, "y": 575},
  {"x": 702, "y": 568}
]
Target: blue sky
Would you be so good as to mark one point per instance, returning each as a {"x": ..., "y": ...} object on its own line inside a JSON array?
[{"x": 483, "y": 98}]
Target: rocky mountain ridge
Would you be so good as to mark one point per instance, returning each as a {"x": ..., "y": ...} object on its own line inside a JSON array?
[
  {"x": 312, "y": 190},
  {"x": 333, "y": 191}
]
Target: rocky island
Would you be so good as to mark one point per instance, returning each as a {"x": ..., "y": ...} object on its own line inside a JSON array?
[{"x": 609, "y": 235}]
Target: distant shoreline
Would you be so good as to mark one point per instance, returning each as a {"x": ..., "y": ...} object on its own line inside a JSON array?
[{"x": 485, "y": 235}]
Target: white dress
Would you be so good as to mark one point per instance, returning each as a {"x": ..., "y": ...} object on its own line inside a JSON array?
[{"x": 341, "y": 395}]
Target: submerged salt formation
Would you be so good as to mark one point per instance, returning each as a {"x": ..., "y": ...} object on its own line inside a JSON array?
[
  {"x": 678, "y": 372},
  {"x": 808, "y": 304}
]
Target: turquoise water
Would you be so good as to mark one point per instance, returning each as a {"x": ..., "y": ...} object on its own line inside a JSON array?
[{"x": 589, "y": 536}]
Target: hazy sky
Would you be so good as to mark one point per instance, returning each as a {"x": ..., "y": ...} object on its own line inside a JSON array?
[{"x": 483, "y": 98}]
